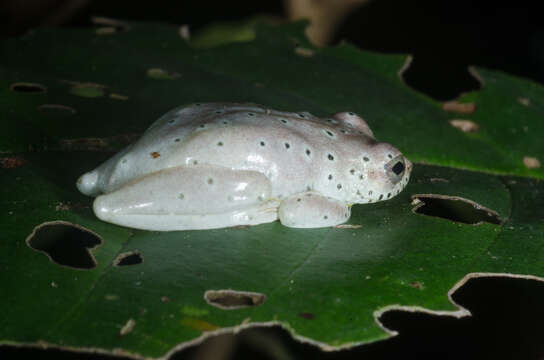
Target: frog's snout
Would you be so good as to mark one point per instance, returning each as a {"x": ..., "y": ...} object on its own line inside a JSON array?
[{"x": 87, "y": 183}]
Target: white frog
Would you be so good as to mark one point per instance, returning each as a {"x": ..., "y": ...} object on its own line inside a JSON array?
[{"x": 215, "y": 165}]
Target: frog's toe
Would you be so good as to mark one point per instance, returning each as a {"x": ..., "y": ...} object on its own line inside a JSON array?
[
  {"x": 87, "y": 183},
  {"x": 311, "y": 210},
  {"x": 103, "y": 209}
]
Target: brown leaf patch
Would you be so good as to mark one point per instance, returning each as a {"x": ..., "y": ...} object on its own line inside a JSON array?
[{"x": 465, "y": 125}]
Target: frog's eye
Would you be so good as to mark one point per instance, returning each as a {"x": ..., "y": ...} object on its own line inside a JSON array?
[
  {"x": 398, "y": 168},
  {"x": 395, "y": 168}
]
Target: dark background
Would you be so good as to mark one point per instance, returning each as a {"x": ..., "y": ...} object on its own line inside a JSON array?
[{"x": 445, "y": 37}]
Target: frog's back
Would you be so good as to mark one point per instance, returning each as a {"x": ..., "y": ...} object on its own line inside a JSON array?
[{"x": 284, "y": 146}]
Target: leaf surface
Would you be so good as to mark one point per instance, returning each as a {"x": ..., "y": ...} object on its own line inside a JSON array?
[{"x": 325, "y": 285}]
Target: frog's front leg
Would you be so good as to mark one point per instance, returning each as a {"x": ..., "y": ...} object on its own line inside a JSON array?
[
  {"x": 190, "y": 197},
  {"x": 312, "y": 210}
]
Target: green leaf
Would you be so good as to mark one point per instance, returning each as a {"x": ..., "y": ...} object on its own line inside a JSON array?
[
  {"x": 324, "y": 285},
  {"x": 228, "y": 32}
]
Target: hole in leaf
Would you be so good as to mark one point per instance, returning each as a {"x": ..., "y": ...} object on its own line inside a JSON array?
[
  {"x": 128, "y": 258},
  {"x": 65, "y": 243},
  {"x": 232, "y": 299},
  {"x": 515, "y": 300},
  {"x": 27, "y": 87},
  {"x": 457, "y": 77},
  {"x": 454, "y": 208}
]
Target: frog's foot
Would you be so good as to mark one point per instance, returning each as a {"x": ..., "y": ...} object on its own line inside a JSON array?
[
  {"x": 189, "y": 198},
  {"x": 312, "y": 210},
  {"x": 87, "y": 183}
]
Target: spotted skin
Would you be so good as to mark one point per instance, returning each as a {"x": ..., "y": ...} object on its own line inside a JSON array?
[{"x": 217, "y": 165}]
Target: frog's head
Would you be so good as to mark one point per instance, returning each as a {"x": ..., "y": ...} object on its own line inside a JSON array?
[{"x": 386, "y": 171}]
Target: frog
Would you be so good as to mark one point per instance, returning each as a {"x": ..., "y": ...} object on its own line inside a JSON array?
[{"x": 217, "y": 165}]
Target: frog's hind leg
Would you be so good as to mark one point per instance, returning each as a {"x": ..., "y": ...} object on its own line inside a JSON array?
[
  {"x": 311, "y": 210},
  {"x": 190, "y": 197}
]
